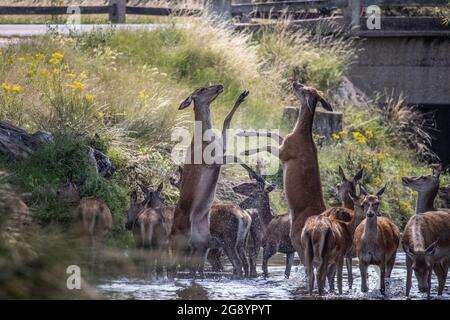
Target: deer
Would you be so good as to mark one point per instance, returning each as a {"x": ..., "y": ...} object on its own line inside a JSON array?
[
  {"x": 427, "y": 188},
  {"x": 91, "y": 213},
  {"x": 190, "y": 233},
  {"x": 151, "y": 222},
  {"x": 346, "y": 193},
  {"x": 376, "y": 240},
  {"x": 273, "y": 230},
  {"x": 426, "y": 242},
  {"x": 444, "y": 194},
  {"x": 326, "y": 241},
  {"x": 229, "y": 229},
  {"x": 298, "y": 154}
]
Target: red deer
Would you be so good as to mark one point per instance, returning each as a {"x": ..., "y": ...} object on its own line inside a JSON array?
[
  {"x": 444, "y": 194},
  {"x": 376, "y": 241},
  {"x": 92, "y": 213},
  {"x": 301, "y": 175},
  {"x": 427, "y": 188},
  {"x": 191, "y": 230},
  {"x": 326, "y": 241},
  {"x": 344, "y": 190},
  {"x": 273, "y": 230},
  {"x": 151, "y": 223},
  {"x": 426, "y": 241},
  {"x": 229, "y": 229}
]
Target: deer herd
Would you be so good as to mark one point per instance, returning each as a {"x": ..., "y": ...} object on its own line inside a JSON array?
[{"x": 199, "y": 229}]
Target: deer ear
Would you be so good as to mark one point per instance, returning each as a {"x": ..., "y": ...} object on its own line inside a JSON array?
[
  {"x": 380, "y": 192},
  {"x": 246, "y": 189},
  {"x": 186, "y": 103},
  {"x": 160, "y": 187},
  {"x": 359, "y": 175},
  {"x": 353, "y": 196},
  {"x": 144, "y": 189},
  {"x": 341, "y": 173},
  {"x": 133, "y": 197},
  {"x": 325, "y": 104},
  {"x": 408, "y": 250},
  {"x": 431, "y": 248},
  {"x": 270, "y": 188},
  {"x": 362, "y": 190}
]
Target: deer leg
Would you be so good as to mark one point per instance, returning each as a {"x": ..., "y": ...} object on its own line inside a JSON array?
[
  {"x": 244, "y": 260},
  {"x": 348, "y": 261},
  {"x": 340, "y": 266},
  {"x": 235, "y": 260},
  {"x": 214, "y": 259},
  {"x": 383, "y": 278},
  {"x": 268, "y": 251},
  {"x": 331, "y": 275},
  {"x": 363, "y": 270},
  {"x": 408, "y": 275},
  {"x": 253, "y": 251},
  {"x": 272, "y": 150},
  {"x": 389, "y": 266},
  {"x": 429, "y": 285},
  {"x": 441, "y": 270},
  {"x": 289, "y": 261},
  {"x": 229, "y": 117},
  {"x": 322, "y": 275}
]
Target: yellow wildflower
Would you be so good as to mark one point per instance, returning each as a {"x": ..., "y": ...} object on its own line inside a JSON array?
[
  {"x": 56, "y": 70},
  {"x": 406, "y": 206},
  {"x": 369, "y": 134},
  {"x": 359, "y": 137},
  {"x": 379, "y": 156},
  {"x": 21, "y": 59},
  {"x": 17, "y": 88},
  {"x": 89, "y": 98},
  {"x": 54, "y": 61},
  {"x": 77, "y": 85},
  {"x": 335, "y": 136},
  {"x": 142, "y": 94},
  {"x": 45, "y": 73},
  {"x": 58, "y": 55},
  {"x": 39, "y": 56},
  {"x": 342, "y": 133},
  {"x": 377, "y": 181},
  {"x": 71, "y": 75},
  {"x": 83, "y": 75}
]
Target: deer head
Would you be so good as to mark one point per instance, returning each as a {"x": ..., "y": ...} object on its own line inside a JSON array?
[
  {"x": 70, "y": 191},
  {"x": 133, "y": 210},
  {"x": 444, "y": 192},
  {"x": 346, "y": 185},
  {"x": 425, "y": 184},
  {"x": 310, "y": 97},
  {"x": 422, "y": 264},
  {"x": 202, "y": 96},
  {"x": 371, "y": 203}
]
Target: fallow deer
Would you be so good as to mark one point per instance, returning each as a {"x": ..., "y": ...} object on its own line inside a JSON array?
[
  {"x": 376, "y": 241},
  {"x": 444, "y": 194},
  {"x": 326, "y": 241},
  {"x": 191, "y": 230},
  {"x": 427, "y": 188},
  {"x": 151, "y": 223},
  {"x": 92, "y": 213},
  {"x": 426, "y": 241},
  {"x": 301, "y": 175},
  {"x": 274, "y": 229}
]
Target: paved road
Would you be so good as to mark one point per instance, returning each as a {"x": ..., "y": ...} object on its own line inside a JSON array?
[{"x": 28, "y": 30}]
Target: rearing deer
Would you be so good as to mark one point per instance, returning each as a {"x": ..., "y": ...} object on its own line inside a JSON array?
[
  {"x": 198, "y": 185},
  {"x": 427, "y": 188}
]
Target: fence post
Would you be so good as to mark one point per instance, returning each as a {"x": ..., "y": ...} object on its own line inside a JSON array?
[
  {"x": 352, "y": 13},
  {"x": 117, "y": 12},
  {"x": 220, "y": 8}
]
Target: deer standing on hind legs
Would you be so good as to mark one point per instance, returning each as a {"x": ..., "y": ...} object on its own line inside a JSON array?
[
  {"x": 273, "y": 230},
  {"x": 190, "y": 230},
  {"x": 376, "y": 240},
  {"x": 427, "y": 188}
]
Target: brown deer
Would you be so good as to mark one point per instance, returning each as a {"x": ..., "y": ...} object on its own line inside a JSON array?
[
  {"x": 92, "y": 213},
  {"x": 427, "y": 188},
  {"x": 301, "y": 175},
  {"x": 229, "y": 229},
  {"x": 151, "y": 223},
  {"x": 190, "y": 231},
  {"x": 273, "y": 230},
  {"x": 326, "y": 241},
  {"x": 426, "y": 241},
  {"x": 344, "y": 191},
  {"x": 444, "y": 194},
  {"x": 376, "y": 240}
]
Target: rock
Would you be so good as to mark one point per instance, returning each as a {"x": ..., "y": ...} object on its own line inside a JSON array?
[{"x": 347, "y": 93}]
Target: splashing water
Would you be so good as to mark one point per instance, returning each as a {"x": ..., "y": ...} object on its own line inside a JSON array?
[{"x": 220, "y": 286}]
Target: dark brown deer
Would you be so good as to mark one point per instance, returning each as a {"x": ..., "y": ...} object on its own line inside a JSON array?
[
  {"x": 444, "y": 194},
  {"x": 191, "y": 232},
  {"x": 427, "y": 188},
  {"x": 151, "y": 221},
  {"x": 229, "y": 229},
  {"x": 376, "y": 241},
  {"x": 344, "y": 189},
  {"x": 301, "y": 175},
  {"x": 273, "y": 230},
  {"x": 326, "y": 241},
  {"x": 426, "y": 241},
  {"x": 92, "y": 214}
]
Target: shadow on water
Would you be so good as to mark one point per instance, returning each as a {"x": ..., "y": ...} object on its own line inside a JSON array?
[{"x": 220, "y": 286}]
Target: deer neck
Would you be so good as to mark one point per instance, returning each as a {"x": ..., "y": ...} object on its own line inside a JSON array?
[
  {"x": 202, "y": 116},
  {"x": 357, "y": 219},
  {"x": 425, "y": 202},
  {"x": 304, "y": 122},
  {"x": 371, "y": 230},
  {"x": 264, "y": 211},
  {"x": 348, "y": 203}
]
